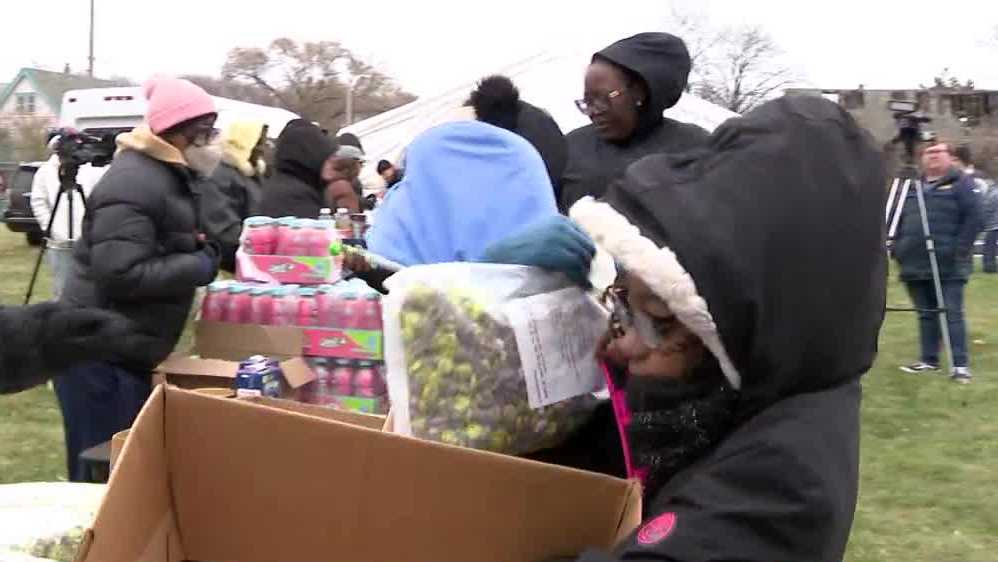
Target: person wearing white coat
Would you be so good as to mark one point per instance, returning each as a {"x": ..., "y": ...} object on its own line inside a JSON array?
[{"x": 44, "y": 190}]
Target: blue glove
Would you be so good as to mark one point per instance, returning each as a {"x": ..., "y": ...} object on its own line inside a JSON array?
[{"x": 555, "y": 244}]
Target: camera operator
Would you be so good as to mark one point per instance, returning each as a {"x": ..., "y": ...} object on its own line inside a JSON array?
[
  {"x": 141, "y": 255},
  {"x": 45, "y": 189},
  {"x": 954, "y": 213}
]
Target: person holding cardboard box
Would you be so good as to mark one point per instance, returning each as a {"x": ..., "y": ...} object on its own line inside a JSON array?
[{"x": 739, "y": 348}]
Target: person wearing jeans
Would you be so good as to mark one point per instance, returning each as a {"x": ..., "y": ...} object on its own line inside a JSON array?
[
  {"x": 953, "y": 210},
  {"x": 923, "y": 295},
  {"x": 991, "y": 247}
]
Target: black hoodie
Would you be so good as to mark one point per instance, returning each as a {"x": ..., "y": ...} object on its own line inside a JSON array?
[
  {"x": 296, "y": 187},
  {"x": 663, "y": 63},
  {"x": 496, "y": 101},
  {"x": 726, "y": 236}
]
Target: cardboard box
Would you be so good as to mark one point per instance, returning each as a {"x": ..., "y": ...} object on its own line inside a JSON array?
[
  {"x": 196, "y": 372},
  {"x": 365, "y": 345},
  {"x": 300, "y": 270},
  {"x": 207, "y": 478},
  {"x": 235, "y": 342},
  {"x": 376, "y": 422}
]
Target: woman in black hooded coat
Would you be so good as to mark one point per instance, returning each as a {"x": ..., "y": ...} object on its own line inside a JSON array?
[
  {"x": 739, "y": 348},
  {"x": 297, "y": 187},
  {"x": 627, "y": 87}
]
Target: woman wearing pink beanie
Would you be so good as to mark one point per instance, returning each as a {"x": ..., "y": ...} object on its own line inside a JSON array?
[{"x": 141, "y": 255}]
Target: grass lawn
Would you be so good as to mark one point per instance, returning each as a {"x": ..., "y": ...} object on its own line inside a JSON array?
[{"x": 930, "y": 456}]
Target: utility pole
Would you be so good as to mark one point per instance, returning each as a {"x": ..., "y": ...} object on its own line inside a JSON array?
[{"x": 90, "y": 68}]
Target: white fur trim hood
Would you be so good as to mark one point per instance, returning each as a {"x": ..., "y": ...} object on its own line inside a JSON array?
[{"x": 660, "y": 269}]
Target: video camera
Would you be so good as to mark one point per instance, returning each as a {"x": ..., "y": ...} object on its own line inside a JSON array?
[
  {"x": 76, "y": 148},
  {"x": 909, "y": 122}
]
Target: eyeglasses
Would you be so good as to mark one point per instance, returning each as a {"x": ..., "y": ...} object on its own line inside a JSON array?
[
  {"x": 651, "y": 330},
  {"x": 203, "y": 136},
  {"x": 597, "y": 104}
]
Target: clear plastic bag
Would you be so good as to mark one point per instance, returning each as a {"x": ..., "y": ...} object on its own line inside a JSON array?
[{"x": 492, "y": 357}]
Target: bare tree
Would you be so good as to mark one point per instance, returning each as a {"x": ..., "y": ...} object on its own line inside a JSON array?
[
  {"x": 701, "y": 39},
  {"x": 743, "y": 70},
  {"x": 29, "y": 136},
  {"x": 312, "y": 79}
]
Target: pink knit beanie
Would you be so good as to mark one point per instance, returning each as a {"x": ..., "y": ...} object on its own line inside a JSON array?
[{"x": 173, "y": 101}]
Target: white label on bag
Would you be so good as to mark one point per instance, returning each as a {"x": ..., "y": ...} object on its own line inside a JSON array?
[{"x": 556, "y": 335}]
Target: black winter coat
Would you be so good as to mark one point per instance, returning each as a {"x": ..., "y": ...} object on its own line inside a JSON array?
[
  {"x": 663, "y": 63},
  {"x": 954, "y": 211},
  {"x": 226, "y": 199},
  {"x": 716, "y": 234},
  {"x": 296, "y": 189},
  {"x": 39, "y": 341},
  {"x": 139, "y": 253}
]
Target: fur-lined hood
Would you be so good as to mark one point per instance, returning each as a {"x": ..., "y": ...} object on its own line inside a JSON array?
[
  {"x": 142, "y": 139},
  {"x": 768, "y": 243}
]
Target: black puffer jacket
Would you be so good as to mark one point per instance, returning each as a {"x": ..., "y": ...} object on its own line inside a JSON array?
[
  {"x": 717, "y": 235},
  {"x": 39, "y": 341},
  {"x": 663, "y": 62},
  {"x": 139, "y": 254},
  {"x": 226, "y": 199},
  {"x": 954, "y": 211},
  {"x": 296, "y": 189}
]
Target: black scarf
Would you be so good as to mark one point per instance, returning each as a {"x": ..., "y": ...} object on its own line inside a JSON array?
[{"x": 675, "y": 422}]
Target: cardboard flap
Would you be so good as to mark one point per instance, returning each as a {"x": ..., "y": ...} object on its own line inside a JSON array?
[
  {"x": 363, "y": 420},
  {"x": 235, "y": 342},
  {"x": 297, "y": 372},
  {"x": 135, "y": 522},
  {"x": 319, "y": 488},
  {"x": 179, "y": 364},
  {"x": 630, "y": 517}
]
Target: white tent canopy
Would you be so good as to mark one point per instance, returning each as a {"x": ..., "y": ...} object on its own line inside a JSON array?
[{"x": 550, "y": 81}]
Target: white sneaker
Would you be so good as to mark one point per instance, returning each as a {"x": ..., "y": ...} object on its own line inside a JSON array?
[{"x": 962, "y": 375}]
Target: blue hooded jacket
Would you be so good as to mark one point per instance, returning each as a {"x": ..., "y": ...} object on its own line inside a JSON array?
[{"x": 467, "y": 184}]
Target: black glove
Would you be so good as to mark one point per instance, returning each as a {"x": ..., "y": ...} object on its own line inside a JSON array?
[{"x": 210, "y": 255}]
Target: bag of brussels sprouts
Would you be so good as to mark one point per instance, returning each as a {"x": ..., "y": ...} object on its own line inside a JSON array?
[{"x": 492, "y": 357}]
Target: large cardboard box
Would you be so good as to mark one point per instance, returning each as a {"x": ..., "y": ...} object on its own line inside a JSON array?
[{"x": 214, "y": 479}]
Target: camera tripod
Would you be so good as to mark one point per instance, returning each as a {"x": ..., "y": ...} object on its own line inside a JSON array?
[
  {"x": 908, "y": 179},
  {"x": 67, "y": 185}
]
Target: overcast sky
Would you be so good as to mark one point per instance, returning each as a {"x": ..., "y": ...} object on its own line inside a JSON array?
[{"x": 428, "y": 45}]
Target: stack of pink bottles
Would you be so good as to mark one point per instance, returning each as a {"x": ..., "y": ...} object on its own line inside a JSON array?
[
  {"x": 264, "y": 236},
  {"x": 325, "y": 306}
]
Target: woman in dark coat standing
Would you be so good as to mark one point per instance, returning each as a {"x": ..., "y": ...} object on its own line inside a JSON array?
[
  {"x": 303, "y": 162},
  {"x": 628, "y": 86}
]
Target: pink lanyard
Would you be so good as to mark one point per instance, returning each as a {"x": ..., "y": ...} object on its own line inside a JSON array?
[{"x": 618, "y": 397}]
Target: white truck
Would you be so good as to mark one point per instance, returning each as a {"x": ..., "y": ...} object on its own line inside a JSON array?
[{"x": 112, "y": 110}]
